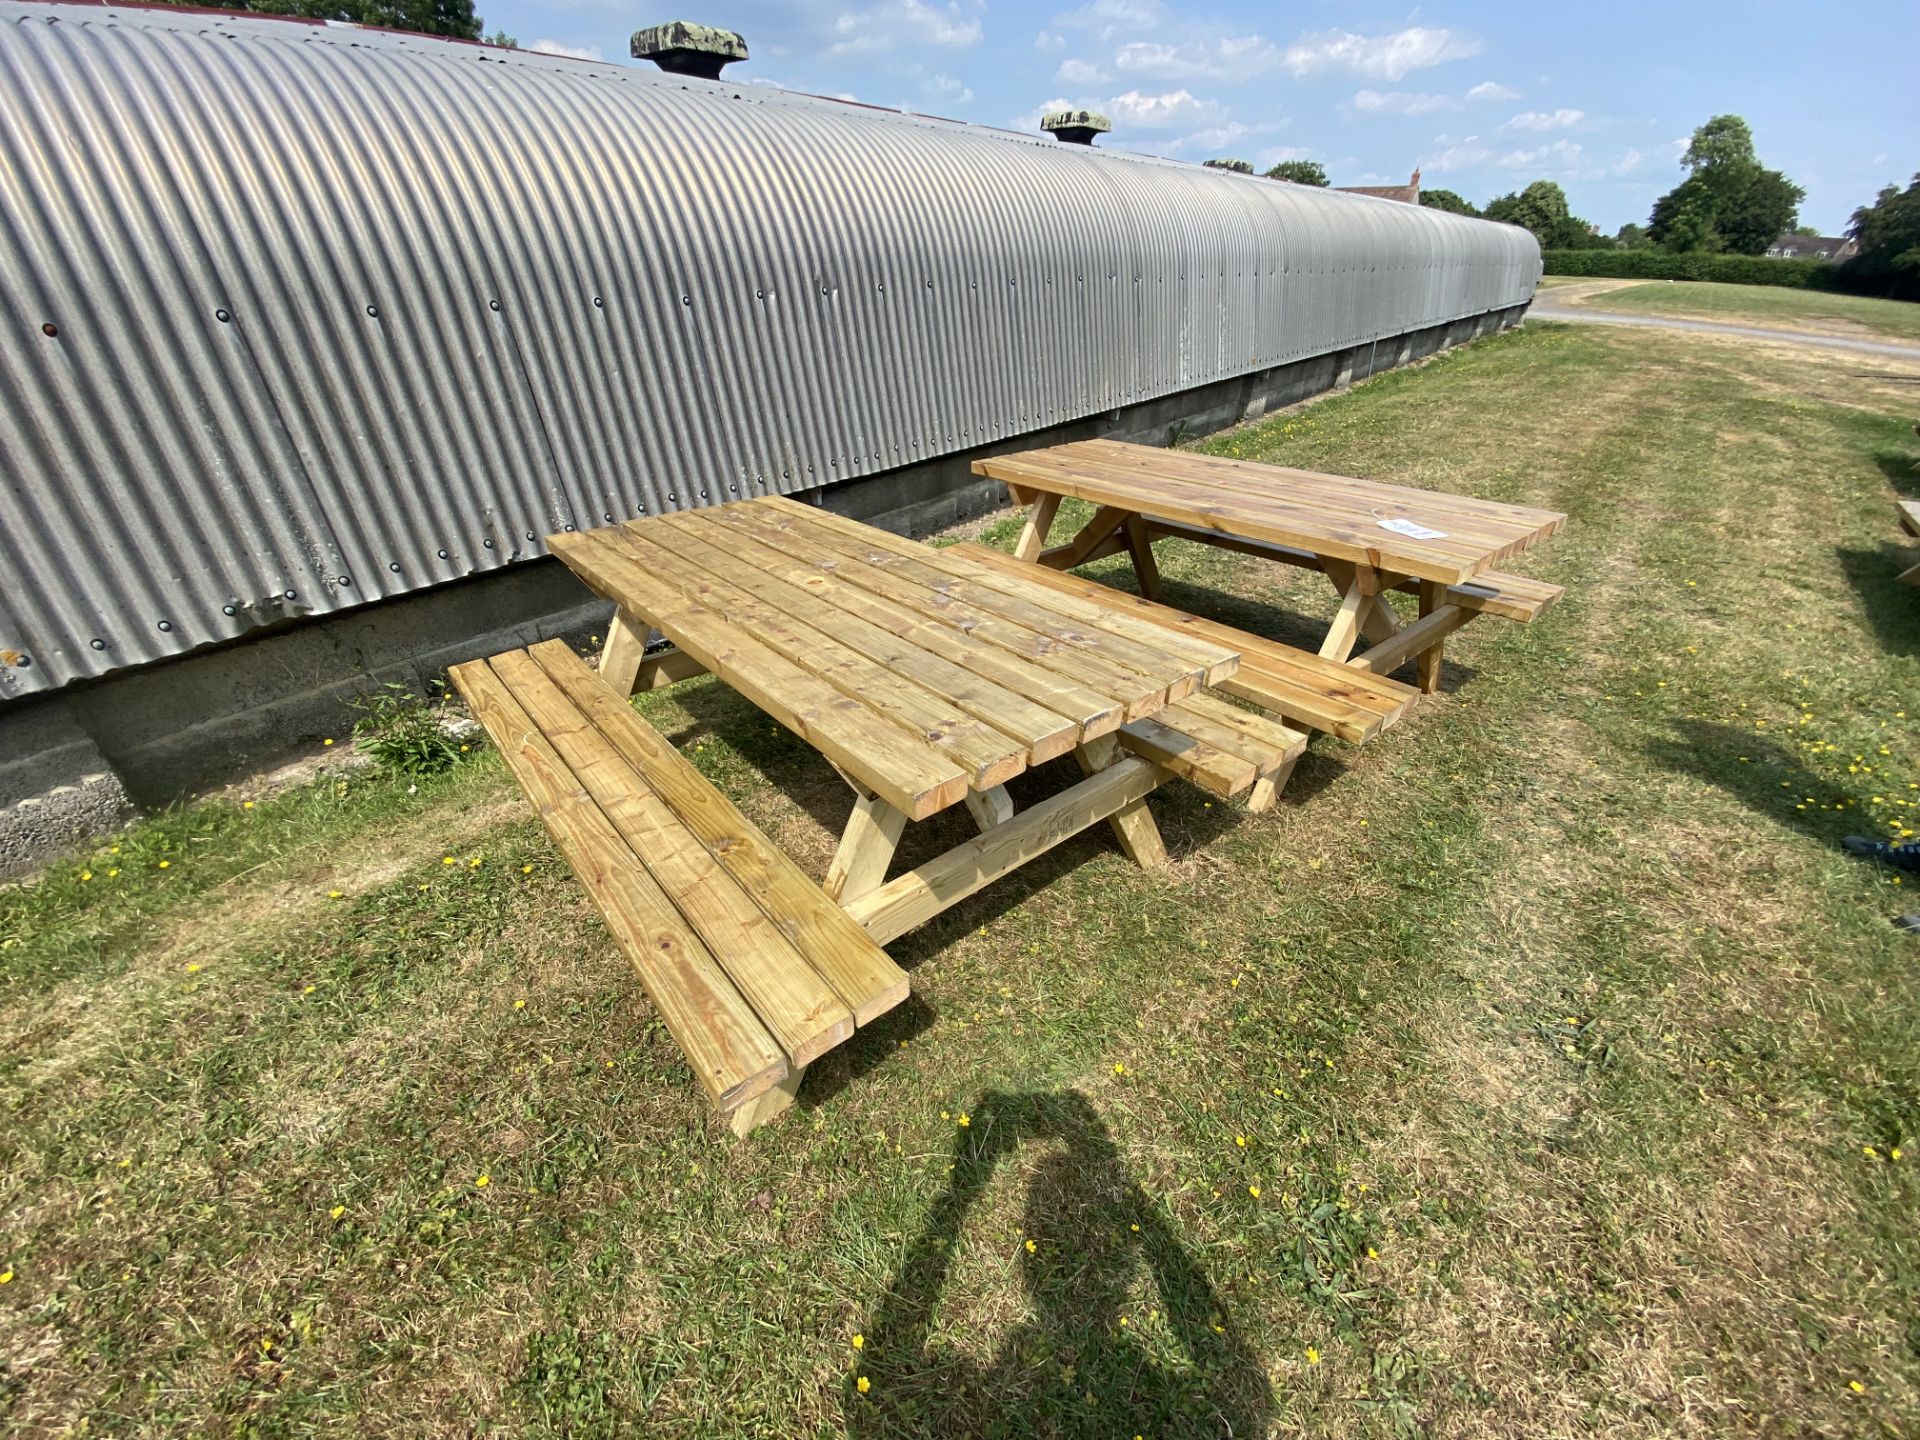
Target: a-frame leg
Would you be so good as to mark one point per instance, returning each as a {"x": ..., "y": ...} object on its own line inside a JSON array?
[
  {"x": 1133, "y": 824},
  {"x": 866, "y": 847}
]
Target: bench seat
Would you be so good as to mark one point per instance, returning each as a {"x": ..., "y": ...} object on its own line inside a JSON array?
[
  {"x": 1512, "y": 597},
  {"x": 1219, "y": 747},
  {"x": 752, "y": 969},
  {"x": 1300, "y": 687}
]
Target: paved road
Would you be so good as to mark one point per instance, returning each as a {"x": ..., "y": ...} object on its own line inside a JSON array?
[{"x": 1547, "y": 307}]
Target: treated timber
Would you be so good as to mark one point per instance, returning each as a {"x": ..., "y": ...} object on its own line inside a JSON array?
[{"x": 732, "y": 1054}]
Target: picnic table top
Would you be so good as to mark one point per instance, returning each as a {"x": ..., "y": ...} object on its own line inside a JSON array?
[
  {"x": 1422, "y": 533},
  {"x": 920, "y": 673}
]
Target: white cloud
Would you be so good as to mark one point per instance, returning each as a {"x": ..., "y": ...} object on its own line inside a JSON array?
[
  {"x": 1492, "y": 90},
  {"x": 953, "y": 26},
  {"x": 1173, "y": 110},
  {"x": 1555, "y": 155},
  {"x": 557, "y": 47},
  {"x": 1080, "y": 72},
  {"x": 1467, "y": 155},
  {"x": 1400, "y": 102},
  {"x": 1230, "y": 59},
  {"x": 1048, "y": 43},
  {"x": 1274, "y": 154},
  {"x": 1216, "y": 140},
  {"x": 1541, "y": 120},
  {"x": 1381, "y": 57},
  {"x": 1629, "y": 162},
  {"x": 945, "y": 90},
  {"x": 1108, "y": 18}
]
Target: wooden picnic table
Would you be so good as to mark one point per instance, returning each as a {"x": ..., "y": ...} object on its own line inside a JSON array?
[
  {"x": 926, "y": 678},
  {"x": 1368, "y": 537}
]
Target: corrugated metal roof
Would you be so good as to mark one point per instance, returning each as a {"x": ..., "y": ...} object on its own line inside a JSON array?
[{"x": 300, "y": 316}]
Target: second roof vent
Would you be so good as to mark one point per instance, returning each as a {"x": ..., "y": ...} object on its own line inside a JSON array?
[{"x": 683, "y": 48}]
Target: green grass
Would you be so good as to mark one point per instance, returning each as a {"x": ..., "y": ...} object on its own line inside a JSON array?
[
  {"x": 1555, "y": 1025},
  {"x": 1770, "y": 307}
]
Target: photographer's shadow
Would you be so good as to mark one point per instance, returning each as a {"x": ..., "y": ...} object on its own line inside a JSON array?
[{"x": 1085, "y": 1360}]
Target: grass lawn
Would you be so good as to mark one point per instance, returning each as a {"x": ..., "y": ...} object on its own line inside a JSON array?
[
  {"x": 1767, "y": 305},
  {"x": 1536, "y": 1070}
]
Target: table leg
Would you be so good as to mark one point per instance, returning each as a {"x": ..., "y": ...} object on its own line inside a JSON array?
[
  {"x": 621, "y": 657},
  {"x": 1354, "y": 601},
  {"x": 873, "y": 833},
  {"x": 990, "y": 807},
  {"x": 1033, "y": 538},
  {"x": 1133, "y": 824},
  {"x": 1141, "y": 549},
  {"x": 1433, "y": 595},
  {"x": 767, "y": 1104}
]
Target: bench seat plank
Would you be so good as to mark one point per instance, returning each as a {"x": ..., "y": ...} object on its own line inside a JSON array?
[
  {"x": 792, "y": 1001},
  {"x": 861, "y": 973},
  {"x": 1317, "y": 693},
  {"x": 733, "y": 1055},
  {"x": 1219, "y": 747}
]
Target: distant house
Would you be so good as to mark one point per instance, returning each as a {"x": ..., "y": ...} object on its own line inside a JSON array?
[
  {"x": 1831, "y": 248},
  {"x": 1407, "y": 194}
]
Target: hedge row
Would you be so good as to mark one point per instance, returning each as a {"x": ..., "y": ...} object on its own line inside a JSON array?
[{"x": 1727, "y": 269}]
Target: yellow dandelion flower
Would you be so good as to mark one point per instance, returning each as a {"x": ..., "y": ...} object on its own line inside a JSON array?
[
  {"x": 246, "y": 804},
  {"x": 526, "y": 869},
  {"x": 1118, "y": 1068},
  {"x": 519, "y": 1004},
  {"x": 859, "y": 1342},
  {"x": 6, "y": 1277},
  {"x": 335, "y": 894},
  {"x": 482, "y": 1181},
  {"x": 1372, "y": 1254},
  {"x": 113, "y": 874},
  {"x": 1032, "y": 1248},
  {"x": 1134, "y": 1228},
  {"x": 86, "y": 874},
  {"x": 1856, "y": 1387},
  {"x": 192, "y": 966},
  {"x": 964, "y": 1120},
  {"x": 1254, "y": 1190},
  {"x": 448, "y": 860},
  {"x": 863, "y": 1384},
  {"x": 166, "y": 864},
  {"x": 326, "y": 742},
  {"x": 337, "y": 1211},
  {"x": 1895, "y": 1152},
  {"x": 308, "y": 990},
  {"x": 1241, "y": 1141},
  {"x": 1313, "y": 1356},
  {"x": 1123, "y": 1321}
]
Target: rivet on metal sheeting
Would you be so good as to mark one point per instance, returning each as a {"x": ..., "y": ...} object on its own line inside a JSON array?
[
  {"x": 394, "y": 566},
  {"x": 608, "y": 515},
  {"x": 50, "y": 330},
  {"x": 597, "y": 302},
  {"x": 291, "y": 596},
  {"x": 373, "y": 311},
  {"x": 493, "y": 304},
  {"x": 346, "y": 581},
  {"x": 686, "y": 299},
  {"x": 98, "y": 644},
  {"x": 672, "y": 496},
  {"x": 703, "y": 492},
  {"x": 166, "y": 625},
  {"x": 530, "y": 534},
  {"x": 222, "y": 316},
  {"x": 486, "y": 544},
  {"x": 229, "y": 609},
  {"x": 443, "y": 555}
]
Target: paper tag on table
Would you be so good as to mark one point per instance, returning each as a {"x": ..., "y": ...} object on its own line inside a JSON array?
[{"x": 1411, "y": 530}]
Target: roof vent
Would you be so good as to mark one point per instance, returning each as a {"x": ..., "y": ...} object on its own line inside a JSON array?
[
  {"x": 1075, "y": 127},
  {"x": 682, "y": 48}
]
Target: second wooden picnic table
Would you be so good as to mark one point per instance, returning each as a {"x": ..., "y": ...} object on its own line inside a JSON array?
[{"x": 1366, "y": 536}]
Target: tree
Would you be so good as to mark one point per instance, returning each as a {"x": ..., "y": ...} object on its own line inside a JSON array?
[
  {"x": 1631, "y": 237},
  {"x": 454, "y": 18},
  {"x": 1238, "y": 167},
  {"x": 500, "y": 40},
  {"x": 1448, "y": 200},
  {"x": 1300, "y": 172},
  {"x": 1888, "y": 234},
  {"x": 1539, "y": 207},
  {"x": 1728, "y": 201}
]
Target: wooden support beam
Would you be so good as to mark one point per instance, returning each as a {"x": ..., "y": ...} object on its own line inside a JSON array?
[
  {"x": 767, "y": 1105},
  {"x": 1345, "y": 629},
  {"x": 866, "y": 847},
  {"x": 914, "y": 898},
  {"x": 624, "y": 653},
  {"x": 1033, "y": 536},
  {"x": 990, "y": 807},
  {"x": 1132, "y": 823},
  {"x": 1389, "y": 656},
  {"x": 1267, "y": 788},
  {"x": 1104, "y": 534},
  {"x": 667, "y": 667}
]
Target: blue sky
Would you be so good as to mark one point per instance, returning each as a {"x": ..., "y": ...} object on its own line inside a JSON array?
[{"x": 1484, "y": 97}]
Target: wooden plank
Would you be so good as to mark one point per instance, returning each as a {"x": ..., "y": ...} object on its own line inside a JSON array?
[
  {"x": 1432, "y": 598},
  {"x": 792, "y": 1001},
  {"x": 988, "y": 757},
  {"x": 861, "y": 974},
  {"x": 1346, "y": 623},
  {"x": 1161, "y": 739},
  {"x": 1143, "y": 647},
  {"x": 1266, "y": 790},
  {"x": 1141, "y": 549},
  {"x": 624, "y": 653},
  {"x": 732, "y": 1054},
  {"x": 1089, "y": 712},
  {"x": 1033, "y": 535},
  {"x": 990, "y": 807},
  {"x": 768, "y": 1105},
  {"x": 1301, "y": 686},
  {"x": 912, "y": 899},
  {"x": 1040, "y": 732},
  {"x": 1133, "y": 693},
  {"x": 1258, "y": 738},
  {"x": 1100, "y": 535},
  {"x": 913, "y": 776}
]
